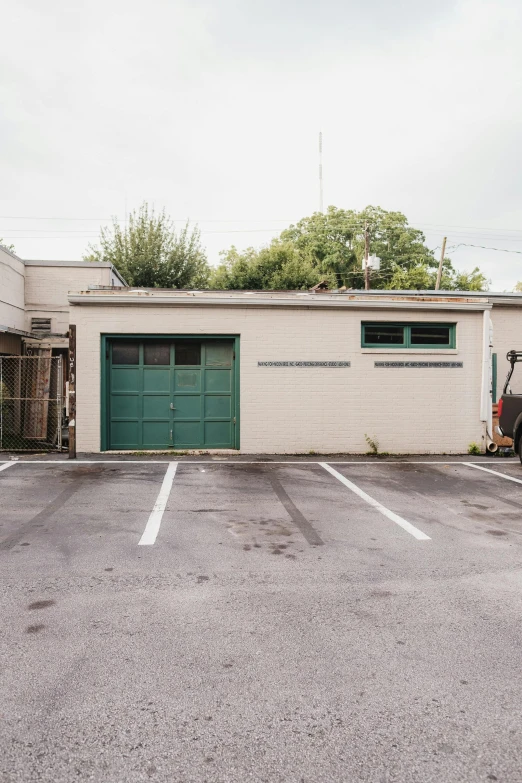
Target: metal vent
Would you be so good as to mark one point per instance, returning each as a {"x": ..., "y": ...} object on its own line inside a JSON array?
[{"x": 41, "y": 325}]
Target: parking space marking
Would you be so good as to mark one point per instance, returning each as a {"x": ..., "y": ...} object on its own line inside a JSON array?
[
  {"x": 7, "y": 465},
  {"x": 153, "y": 525},
  {"x": 375, "y": 461},
  {"x": 300, "y": 521},
  {"x": 411, "y": 529},
  {"x": 495, "y": 473}
]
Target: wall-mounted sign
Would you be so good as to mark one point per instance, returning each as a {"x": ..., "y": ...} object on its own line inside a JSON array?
[
  {"x": 303, "y": 364},
  {"x": 419, "y": 364}
]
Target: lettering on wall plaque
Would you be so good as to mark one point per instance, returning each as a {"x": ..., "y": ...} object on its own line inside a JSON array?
[
  {"x": 418, "y": 364},
  {"x": 303, "y": 364}
]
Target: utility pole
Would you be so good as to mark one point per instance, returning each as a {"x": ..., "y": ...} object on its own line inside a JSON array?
[
  {"x": 320, "y": 172},
  {"x": 439, "y": 273},
  {"x": 366, "y": 254}
]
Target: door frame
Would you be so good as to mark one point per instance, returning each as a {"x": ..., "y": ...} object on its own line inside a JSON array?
[{"x": 104, "y": 375}]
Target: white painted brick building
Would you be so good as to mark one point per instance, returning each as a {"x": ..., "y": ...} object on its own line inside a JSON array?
[{"x": 410, "y": 408}]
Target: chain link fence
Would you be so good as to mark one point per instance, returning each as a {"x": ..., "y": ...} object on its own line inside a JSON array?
[{"x": 31, "y": 403}]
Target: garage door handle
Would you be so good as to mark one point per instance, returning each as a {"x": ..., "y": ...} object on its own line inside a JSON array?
[{"x": 172, "y": 408}]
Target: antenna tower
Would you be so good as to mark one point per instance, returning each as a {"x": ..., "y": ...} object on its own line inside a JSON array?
[{"x": 320, "y": 172}]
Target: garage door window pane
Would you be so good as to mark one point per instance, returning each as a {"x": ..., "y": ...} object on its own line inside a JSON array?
[
  {"x": 188, "y": 353},
  {"x": 383, "y": 334},
  {"x": 125, "y": 353},
  {"x": 431, "y": 335},
  {"x": 156, "y": 353}
]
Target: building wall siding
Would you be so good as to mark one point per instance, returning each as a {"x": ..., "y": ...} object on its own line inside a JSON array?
[
  {"x": 47, "y": 287},
  {"x": 296, "y": 410},
  {"x": 10, "y": 344},
  {"x": 12, "y": 271},
  {"x": 507, "y": 336}
]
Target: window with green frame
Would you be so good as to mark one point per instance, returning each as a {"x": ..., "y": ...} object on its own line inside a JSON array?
[{"x": 383, "y": 334}]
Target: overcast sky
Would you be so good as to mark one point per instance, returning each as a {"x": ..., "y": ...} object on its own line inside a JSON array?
[{"x": 212, "y": 110}]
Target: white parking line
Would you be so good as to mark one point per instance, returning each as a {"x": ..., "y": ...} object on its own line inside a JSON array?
[
  {"x": 495, "y": 473},
  {"x": 153, "y": 525},
  {"x": 7, "y": 465},
  {"x": 238, "y": 462},
  {"x": 414, "y": 531}
]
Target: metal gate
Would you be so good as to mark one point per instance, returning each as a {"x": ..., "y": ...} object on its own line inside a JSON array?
[{"x": 31, "y": 403}]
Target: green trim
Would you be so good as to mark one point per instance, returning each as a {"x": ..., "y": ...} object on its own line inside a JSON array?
[
  {"x": 104, "y": 374},
  {"x": 494, "y": 377},
  {"x": 237, "y": 384},
  {"x": 406, "y": 343},
  {"x": 104, "y": 392}
]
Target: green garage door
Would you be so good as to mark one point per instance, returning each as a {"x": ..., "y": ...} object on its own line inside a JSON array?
[{"x": 171, "y": 393}]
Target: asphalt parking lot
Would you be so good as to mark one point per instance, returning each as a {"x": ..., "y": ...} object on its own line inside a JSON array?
[{"x": 293, "y": 621}]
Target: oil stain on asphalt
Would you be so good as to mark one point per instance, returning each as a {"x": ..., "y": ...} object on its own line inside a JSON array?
[{"x": 41, "y": 604}]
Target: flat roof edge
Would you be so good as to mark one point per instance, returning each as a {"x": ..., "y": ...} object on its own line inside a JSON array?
[{"x": 119, "y": 300}]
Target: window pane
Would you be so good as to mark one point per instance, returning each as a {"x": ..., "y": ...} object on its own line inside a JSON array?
[
  {"x": 431, "y": 335},
  {"x": 187, "y": 353},
  {"x": 156, "y": 353},
  {"x": 384, "y": 334},
  {"x": 125, "y": 353}
]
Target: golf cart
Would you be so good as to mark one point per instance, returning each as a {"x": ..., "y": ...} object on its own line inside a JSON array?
[{"x": 510, "y": 405}]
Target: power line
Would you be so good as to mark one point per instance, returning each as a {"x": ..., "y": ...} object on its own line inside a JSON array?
[
  {"x": 483, "y": 247},
  {"x": 360, "y": 222}
]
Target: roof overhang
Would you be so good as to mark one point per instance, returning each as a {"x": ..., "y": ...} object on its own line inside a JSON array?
[
  {"x": 306, "y": 301},
  {"x": 19, "y": 332}
]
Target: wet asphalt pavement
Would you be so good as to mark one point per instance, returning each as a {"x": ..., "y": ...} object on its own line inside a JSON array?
[{"x": 281, "y": 627}]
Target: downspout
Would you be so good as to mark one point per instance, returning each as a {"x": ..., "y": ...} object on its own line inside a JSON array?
[{"x": 486, "y": 399}]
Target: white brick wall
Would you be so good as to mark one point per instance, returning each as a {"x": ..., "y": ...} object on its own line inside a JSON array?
[
  {"x": 12, "y": 273},
  {"x": 47, "y": 287},
  {"x": 292, "y": 410}
]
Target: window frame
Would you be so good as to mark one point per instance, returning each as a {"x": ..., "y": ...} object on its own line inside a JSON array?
[{"x": 406, "y": 344}]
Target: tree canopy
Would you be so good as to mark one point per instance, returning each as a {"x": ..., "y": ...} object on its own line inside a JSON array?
[
  {"x": 149, "y": 252},
  {"x": 330, "y": 247}
]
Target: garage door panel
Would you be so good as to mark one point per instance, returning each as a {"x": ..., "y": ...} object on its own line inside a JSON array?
[
  {"x": 125, "y": 379},
  {"x": 187, "y": 433},
  {"x": 156, "y": 434},
  {"x": 218, "y": 434},
  {"x": 187, "y": 380},
  {"x": 217, "y": 407},
  {"x": 187, "y": 407},
  {"x": 124, "y": 434},
  {"x": 156, "y": 380},
  {"x": 125, "y": 406},
  {"x": 170, "y": 392},
  {"x": 156, "y": 406},
  {"x": 218, "y": 380},
  {"x": 218, "y": 354}
]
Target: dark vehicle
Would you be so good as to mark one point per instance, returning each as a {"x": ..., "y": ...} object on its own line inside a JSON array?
[{"x": 510, "y": 405}]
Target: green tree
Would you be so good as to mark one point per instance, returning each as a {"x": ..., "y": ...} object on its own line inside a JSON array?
[
  {"x": 149, "y": 252},
  {"x": 424, "y": 277},
  {"x": 8, "y": 247},
  {"x": 277, "y": 267},
  {"x": 331, "y": 247}
]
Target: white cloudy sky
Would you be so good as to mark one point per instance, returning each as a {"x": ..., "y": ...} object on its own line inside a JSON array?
[{"x": 212, "y": 108}]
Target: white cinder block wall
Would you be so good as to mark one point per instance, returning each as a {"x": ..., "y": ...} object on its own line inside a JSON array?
[
  {"x": 12, "y": 280},
  {"x": 47, "y": 287},
  {"x": 507, "y": 336},
  {"x": 294, "y": 410}
]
